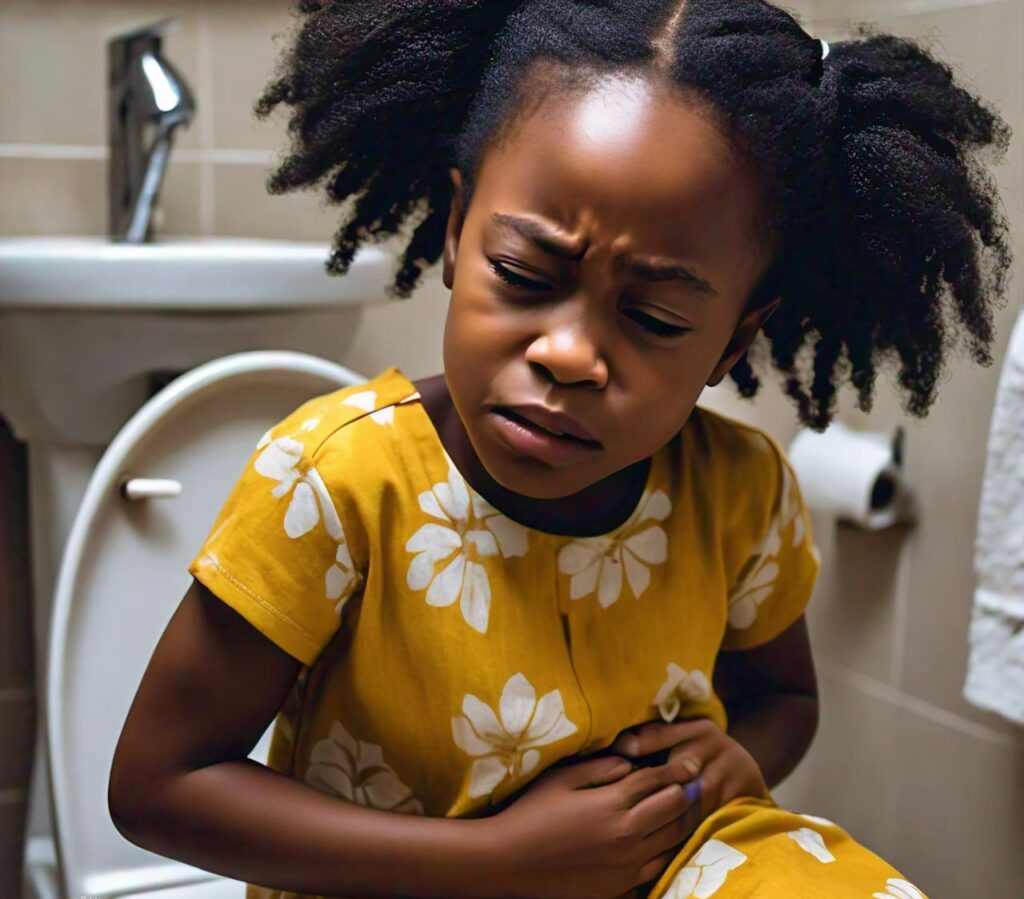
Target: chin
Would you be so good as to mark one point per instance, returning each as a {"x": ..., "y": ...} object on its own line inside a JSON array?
[{"x": 551, "y": 483}]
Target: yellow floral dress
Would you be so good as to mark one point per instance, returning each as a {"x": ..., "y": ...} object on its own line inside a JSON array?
[{"x": 452, "y": 654}]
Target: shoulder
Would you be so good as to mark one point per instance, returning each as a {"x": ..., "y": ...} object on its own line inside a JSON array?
[
  {"x": 738, "y": 468},
  {"x": 360, "y": 413},
  {"x": 735, "y": 448}
]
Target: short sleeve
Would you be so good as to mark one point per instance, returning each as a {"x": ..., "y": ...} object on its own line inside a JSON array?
[
  {"x": 281, "y": 551},
  {"x": 774, "y": 584}
]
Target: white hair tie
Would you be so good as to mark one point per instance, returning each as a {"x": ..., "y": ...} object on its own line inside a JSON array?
[{"x": 824, "y": 48}]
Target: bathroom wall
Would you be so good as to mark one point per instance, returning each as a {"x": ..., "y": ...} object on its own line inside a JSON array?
[{"x": 901, "y": 760}]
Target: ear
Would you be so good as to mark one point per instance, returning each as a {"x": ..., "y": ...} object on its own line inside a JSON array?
[
  {"x": 454, "y": 229},
  {"x": 742, "y": 337}
]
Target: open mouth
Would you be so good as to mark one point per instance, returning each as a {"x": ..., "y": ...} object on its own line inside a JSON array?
[{"x": 536, "y": 428}]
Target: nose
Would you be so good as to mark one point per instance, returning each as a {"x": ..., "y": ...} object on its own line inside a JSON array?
[{"x": 568, "y": 353}]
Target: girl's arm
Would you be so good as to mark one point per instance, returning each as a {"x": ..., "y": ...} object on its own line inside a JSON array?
[
  {"x": 181, "y": 784},
  {"x": 771, "y": 695}
]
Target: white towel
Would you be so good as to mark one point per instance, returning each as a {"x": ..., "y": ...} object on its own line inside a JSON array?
[{"x": 995, "y": 669}]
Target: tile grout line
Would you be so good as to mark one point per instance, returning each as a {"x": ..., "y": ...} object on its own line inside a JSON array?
[
  {"x": 237, "y": 156},
  {"x": 921, "y": 708}
]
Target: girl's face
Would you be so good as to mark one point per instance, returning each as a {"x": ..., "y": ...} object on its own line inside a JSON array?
[{"x": 597, "y": 283}]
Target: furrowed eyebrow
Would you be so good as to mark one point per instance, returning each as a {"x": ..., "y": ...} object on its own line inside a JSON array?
[
  {"x": 546, "y": 238},
  {"x": 549, "y": 240},
  {"x": 667, "y": 270}
]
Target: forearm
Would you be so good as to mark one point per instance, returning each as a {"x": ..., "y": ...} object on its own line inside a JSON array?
[
  {"x": 243, "y": 820},
  {"x": 776, "y": 729}
]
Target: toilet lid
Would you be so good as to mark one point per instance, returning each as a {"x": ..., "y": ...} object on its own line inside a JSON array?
[{"x": 123, "y": 574}]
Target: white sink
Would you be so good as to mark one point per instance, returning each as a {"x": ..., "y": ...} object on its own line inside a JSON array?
[
  {"x": 89, "y": 328},
  {"x": 184, "y": 274}
]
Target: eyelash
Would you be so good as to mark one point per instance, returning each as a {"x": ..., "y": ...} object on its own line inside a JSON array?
[{"x": 648, "y": 322}]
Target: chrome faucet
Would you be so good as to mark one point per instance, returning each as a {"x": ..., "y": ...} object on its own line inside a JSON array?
[{"x": 148, "y": 100}]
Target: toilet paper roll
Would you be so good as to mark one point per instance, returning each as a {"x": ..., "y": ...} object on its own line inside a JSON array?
[{"x": 852, "y": 475}]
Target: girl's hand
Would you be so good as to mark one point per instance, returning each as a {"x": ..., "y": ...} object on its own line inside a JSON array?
[
  {"x": 717, "y": 768},
  {"x": 592, "y": 829}
]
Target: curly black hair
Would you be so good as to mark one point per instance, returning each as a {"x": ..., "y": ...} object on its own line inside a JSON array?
[{"x": 888, "y": 233}]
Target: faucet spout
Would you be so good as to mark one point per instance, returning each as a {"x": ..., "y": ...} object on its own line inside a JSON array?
[{"x": 148, "y": 100}]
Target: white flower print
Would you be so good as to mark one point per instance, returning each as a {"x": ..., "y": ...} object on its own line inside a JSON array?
[
  {"x": 597, "y": 563},
  {"x": 895, "y": 888},
  {"x": 355, "y": 770},
  {"x": 814, "y": 819},
  {"x": 706, "y": 871},
  {"x": 811, "y": 841},
  {"x": 447, "y": 561},
  {"x": 310, "y": 498},
  {"x": 790, "y": 510},
  {"x": 342, "y": 577},
  {"x": 757, "y": 577},
  {"x": 280, "y": 461},
  {"x": 308, "y": 425},
  {"x": 367, "y": 400},
  {"x": 756, "y": 580},
  {"x": 680, "y": 685},
  {"x": 506, "y": 748}
]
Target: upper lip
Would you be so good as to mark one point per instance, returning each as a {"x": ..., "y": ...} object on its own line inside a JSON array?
[{"x": 551, "y": 420}]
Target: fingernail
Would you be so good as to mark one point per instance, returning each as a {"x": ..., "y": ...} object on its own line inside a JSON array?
[{"x": 693, "y": 789}]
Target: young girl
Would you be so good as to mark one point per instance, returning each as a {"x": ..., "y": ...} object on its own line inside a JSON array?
[{"x": 534, "y": 627}]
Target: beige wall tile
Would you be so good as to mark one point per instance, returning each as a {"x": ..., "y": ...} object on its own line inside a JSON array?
[
  {"x": 69, "y": 196},
  {"x": 406, "y": 333},
  {"x": 53, "y": 64},
  {"x": 956, "y": 811},
  {"x": 847, "y": 775},
  {"x": 852, "y": 615},
  {"x": 48, "y": 196},
  {"x": 243, "y": 208},
  {"x": 246, "y": 38},
  {"x": 770, "y": 409}
]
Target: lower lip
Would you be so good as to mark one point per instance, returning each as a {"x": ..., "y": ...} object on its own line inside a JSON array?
[{"x": 540, "y": 444}]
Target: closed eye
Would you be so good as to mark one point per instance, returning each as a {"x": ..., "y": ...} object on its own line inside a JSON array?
[
  {"x": 655, "y": 325},
  {"x": 515, "y": 279}
]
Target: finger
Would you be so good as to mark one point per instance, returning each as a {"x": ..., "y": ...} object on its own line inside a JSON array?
[
  {"x": 645, "y": 781},
  {"x": 653, "y": 812},
  {"x": 597, "y": 772},
  {"x": 687, "y": 762},
  {"x": 672, "y": 835},
  {"x": 654, "y": 868},
  {"x": 655, "y": 736}
]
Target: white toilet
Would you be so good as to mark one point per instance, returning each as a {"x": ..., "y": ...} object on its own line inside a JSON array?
[{"x": 123, "y": 574}]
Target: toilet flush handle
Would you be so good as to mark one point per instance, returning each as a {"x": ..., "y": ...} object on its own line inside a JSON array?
[{"x": 150, "y": 488}]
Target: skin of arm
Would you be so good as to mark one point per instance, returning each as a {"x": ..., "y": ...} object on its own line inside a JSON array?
[
  {"x": 770, "y": 694},
  {"x": 190, "y": 793}
]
